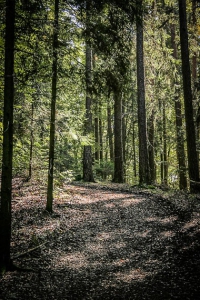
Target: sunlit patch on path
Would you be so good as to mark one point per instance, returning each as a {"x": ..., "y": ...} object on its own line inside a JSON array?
[{"x": 104, "y": 244}]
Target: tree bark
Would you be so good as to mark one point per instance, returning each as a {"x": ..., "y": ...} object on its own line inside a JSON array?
[
  {"x": 100, "y": 133},
  {"x": 96, "y": 133},
  {"x": 144, "y": 177},
  {"x": 151, "y": 155},
  {"x": 87, "y": 151},
  {"x": 110, "y": 132},
  {"x": 31, "y": 144},
  {"x": 49, "y": 204},
  {"x": 179, "y": 125},
  {"x": 118, "y": 145},
  {"x": 187, "y": 89},
  {"x": 165, "y": 156},
  {"x": 6, "y": 181}
]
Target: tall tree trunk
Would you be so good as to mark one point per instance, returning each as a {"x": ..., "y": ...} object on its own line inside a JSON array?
[
  {"x": 160, "y": 128},
  {"x": 96, "y": 119},
  {"x": 100, "y": 133},
  {"x": 87, "y": 151},
  {"x": 134, "y": 152},
  {"x": 190, "y": 129},
  {"x": 165, "y": 156},
  {"x": 49, "y": 204},
  {"x": 118, "y": 146},
  {"x": 195, "y": 82},
  {"x": 124, "y": 129},
  {"x": 151, "y": 155},
  {"x": 31, "y": 144},
  {"x": 144, "y": 177},
  {"x": 194, "y": 57},
  {"x": 179, "y": 125},
  {"x": 6, "y": 181},
  {"x": 96, "y": 131},
  {"x": 110, "y": 132}
]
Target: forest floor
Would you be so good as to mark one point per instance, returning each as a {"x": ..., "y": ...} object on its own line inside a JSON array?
[{"x": 104, "y": 242}]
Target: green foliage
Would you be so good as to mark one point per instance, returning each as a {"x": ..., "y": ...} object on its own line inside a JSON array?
[
  {"x": 112, "y": 37},
  {"x": 104, "y": 170}
]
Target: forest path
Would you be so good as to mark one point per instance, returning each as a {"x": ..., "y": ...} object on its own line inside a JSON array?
[{"x": 104, "y": 242}]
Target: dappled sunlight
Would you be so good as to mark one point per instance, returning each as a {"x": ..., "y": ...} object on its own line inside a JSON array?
[
  {"x": 109, "y": 205},
  {"x": 94, "y": 248},
  {"x": 101, "y": 241},
  {"x": 129, "y": 276},
  {"x": 167, "y": 234},
  {"x": 130, "y": 202},
  {"x": 161, "y": 220},
  {"x": 103, "y": 236},
  {"x": 143, "y": 234},
  {"x": 75, "y": 260},
  {"x": 121, "y": 262},
  {"x": 192, "y": 224}
]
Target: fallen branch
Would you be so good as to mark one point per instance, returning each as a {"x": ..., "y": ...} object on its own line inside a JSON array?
[{"x": 28, "y": 251}]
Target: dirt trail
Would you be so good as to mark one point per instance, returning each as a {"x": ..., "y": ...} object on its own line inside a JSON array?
[{"x": 102, "y": 243}]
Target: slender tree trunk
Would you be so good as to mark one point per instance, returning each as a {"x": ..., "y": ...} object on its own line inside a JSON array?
[
  {"x": 96, "y": 133},
  {"x": 144, "y": 177},
  {"x": 110, "y": 132},
  {"x": 49, "y": 204},
  {"x": 190, "y": 129},
  {"x": 194, "y": 57},
  {"x": 96, "y": 119},
  {"x": 165, "y": 156},
  {"x": 100, "y": 133},
  {"x": 6, "y": 181},
  {"x": 195, "y": 82},
  {"x": 31, "y": 144},
  {"x": 134, "y": 153},
  {"x": 124, "y": 133},
  {"x": 118, "y": 146},
  {"x": 151, "y": 151},
  {"x": 179, "y": 125},
  {"x": 160, "y": 127},
  {"x": 87, "y": 151}
]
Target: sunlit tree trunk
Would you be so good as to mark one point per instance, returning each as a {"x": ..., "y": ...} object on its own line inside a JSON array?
[
  {"x": 134, "y": 152},
  {"x": 187, "y": 89},
  {"x": 96, "y": 133},
  {"x": 49, "y": 204},
  {"x": 6, "y": 181},
  {"x": 151, "y": 155},
  {"x": 165, "y": 156},
  {"x": 179, "y": 125},
  {"x": 100, "y": 133},
  {"x": 110, "y": 132},
  {"x": 124, "y": 133}
]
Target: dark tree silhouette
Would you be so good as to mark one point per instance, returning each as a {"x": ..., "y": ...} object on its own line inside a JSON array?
[
  {"x": 187, "y": 89},
  {"x": 6, "y": 182}
]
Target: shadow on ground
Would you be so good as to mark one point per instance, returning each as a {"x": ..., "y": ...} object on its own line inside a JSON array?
[{"x": 106, "y": 245}]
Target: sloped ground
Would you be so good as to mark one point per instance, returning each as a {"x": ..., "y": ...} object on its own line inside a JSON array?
[{"x": 104, "y": 243}]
